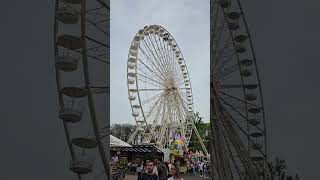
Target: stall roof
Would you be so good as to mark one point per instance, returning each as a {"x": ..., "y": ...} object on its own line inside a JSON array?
[
  {"x": 116, "y": 142},
  {"x": 141, "y": 149}
]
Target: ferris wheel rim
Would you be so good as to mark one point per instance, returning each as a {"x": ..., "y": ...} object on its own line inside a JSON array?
[
  {"x": 218, "y": 6},
  {"x": 89, "y": 93},
  {"x": 255, "y": 68}
]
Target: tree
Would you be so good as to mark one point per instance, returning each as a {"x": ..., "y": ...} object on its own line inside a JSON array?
[
  {"x": 277, "y": 170},
  {"x": 202, "y": 129},
  {"x": 122, "y": 131}
]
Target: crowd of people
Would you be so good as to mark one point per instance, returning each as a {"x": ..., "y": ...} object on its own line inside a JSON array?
[
  {"x": 157, "y": 170},
  {"x": 200, "y": 167}
]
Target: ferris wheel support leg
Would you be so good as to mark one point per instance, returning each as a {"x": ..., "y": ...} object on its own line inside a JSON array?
[
  {"x": 133, "y": 136},
  {"x": 200, "y": 139}
]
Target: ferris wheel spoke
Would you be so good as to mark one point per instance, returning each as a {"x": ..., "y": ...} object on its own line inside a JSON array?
[
  {"x": 170, "y": 110},
  {"x": 91, "y": 56},
  {"x": 238, "y": 112},
  {"x": 183, "y": 105},
  {"x": 149, "y": 74},
  {"x": 163, "y": 54},
  {"x": 151, "y": 98},
  {"x": 150, "y": 70},
  {"x": 172, "y": 59},
  {"x": 225, "y": 48},
  {"x": 223, "y": 35},
  {"x": 153, "y": 106},
  {"x": 169, "y": 57},
  {"x": 149, "y": 79},
  {"x": 159, "y": 56},
  {"x": 158, "y": 65},
  {"x": 231, "y": 154},
  {"x": 157, "y": 116},
  {"x": 155, "y": 59},
  {"x": 218, "y": 39},
  {"x": 224, "y": 73},
  {"x": 181, "y": 82},
  {"x": 149, "y": 83},
  {"x": 242, "y": 151},
  {"x": 146, "y": 77},
  {"x": 183, "y": 94},
  {"x": 94, "y": 9},
  {"x": 152, "y": 89},
  {"x": 184, "y": 97},
  {"x": 153, "y": 66},
  {"x": 225, "y": 61},
  {"x": 238, "y": 86},
  {"x": 244, "y": 132},
  {"x": 237, "y": 143},
  {"x": 69, "y": 6},
  {"x": 171, "y": 62},
  {"x": 166, "y": 56},
  {"x": 149, "y": 59},
  {"x": 151, "y": 113},
  {"x": 96, "y": 25},
  {"x": 183, "y": 102},
  {"x": 233, "y": 121},
  {"x": 179, "y": 110},
  {"x": 165, "y": 118},
  {"x": 239, "y": 99},
  {"x": 104, "y": 4},
  {"x": 98, "y": 59},
  {"x": 178, "y": 77},
  {"x": 100, "y": 90},
  {"x": 97, "y": 42}
]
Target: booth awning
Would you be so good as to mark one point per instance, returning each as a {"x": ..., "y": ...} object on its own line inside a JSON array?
[{"x": 116, "y": 142}]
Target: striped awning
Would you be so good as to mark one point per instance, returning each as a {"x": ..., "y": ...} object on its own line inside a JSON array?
[{"x": 139, "y": 149}]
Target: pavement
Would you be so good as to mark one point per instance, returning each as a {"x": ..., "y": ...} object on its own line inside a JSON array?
[{"x": 185, "y": 177}]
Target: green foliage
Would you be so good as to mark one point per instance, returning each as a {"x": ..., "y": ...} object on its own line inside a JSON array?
[
  {"x": 203, "y": 129},
  {"x": 122, "y": 131},
  {"x": 277, "y": 169},
  {"x": 122, "y": 163}
]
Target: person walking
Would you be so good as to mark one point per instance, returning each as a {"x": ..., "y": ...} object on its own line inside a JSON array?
[
  {"x": 162, "y": 171},
  {"x": 201, "y": 168},
  {"x": 149, "y": 174},
  {"x": 175, "y": 173},
  {"x": 193, "y": 167},
  {"x": 205, "y": 170},
  {"x": 139, "y": 170}
]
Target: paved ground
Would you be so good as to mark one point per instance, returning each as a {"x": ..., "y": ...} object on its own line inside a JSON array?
[{"x": 185, "y": 177}]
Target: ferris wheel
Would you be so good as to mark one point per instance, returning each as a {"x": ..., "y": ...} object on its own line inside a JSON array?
[
  {"x": 237, "y": 118},
  {"x": 81, "y": 35},
  {"x": 159, "y": 89}
]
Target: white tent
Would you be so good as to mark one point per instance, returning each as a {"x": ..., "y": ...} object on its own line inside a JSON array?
[{"x": 118, "y": 142}]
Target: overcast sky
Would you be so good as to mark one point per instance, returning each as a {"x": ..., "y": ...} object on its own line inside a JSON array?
[
  {"x": 285, "y": 36},
  {"x": 286, "y": 39},
  {"x": 186, "y": 20}
]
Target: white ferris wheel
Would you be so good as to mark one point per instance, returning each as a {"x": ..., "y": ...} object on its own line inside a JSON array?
[{"x": 159, "y": 89}]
